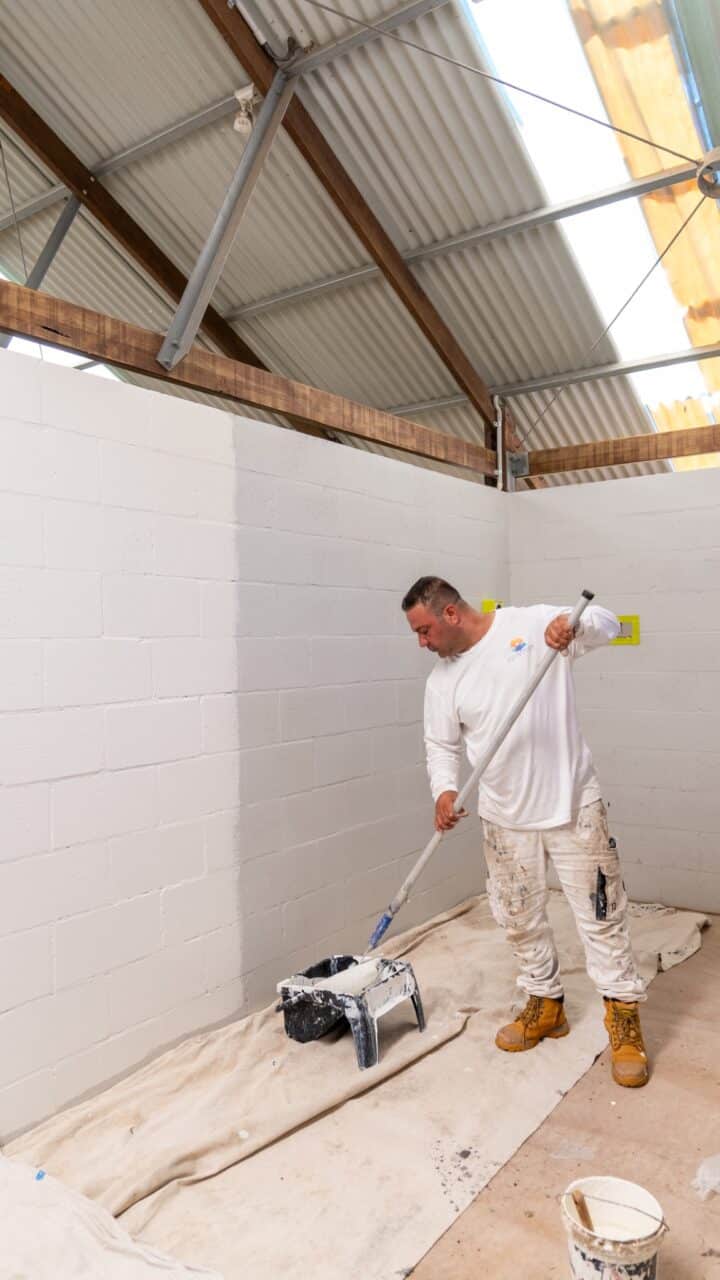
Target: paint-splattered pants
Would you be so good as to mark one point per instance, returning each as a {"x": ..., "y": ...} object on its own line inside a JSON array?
[{"x": 588, "y": 869}]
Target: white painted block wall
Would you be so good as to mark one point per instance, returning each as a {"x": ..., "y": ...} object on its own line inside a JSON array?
[
  {"x": 210, "y": 744},
  {"x": 650, "y": 546}
]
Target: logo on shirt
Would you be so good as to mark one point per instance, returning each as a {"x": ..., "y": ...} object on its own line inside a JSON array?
[{"x": 518, "y": 644}]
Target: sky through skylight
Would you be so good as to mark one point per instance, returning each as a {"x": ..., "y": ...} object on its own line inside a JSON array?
[{"x": 574, "y": 158}]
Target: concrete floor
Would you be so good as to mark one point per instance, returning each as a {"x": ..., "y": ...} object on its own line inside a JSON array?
[{"x": 656, "y": 1136}]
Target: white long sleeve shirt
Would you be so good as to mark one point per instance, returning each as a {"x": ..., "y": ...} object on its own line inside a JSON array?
[{"x": 543, "y": 773}]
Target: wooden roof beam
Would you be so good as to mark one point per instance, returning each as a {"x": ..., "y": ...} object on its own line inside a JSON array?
[
  {"x": 29, "y": 314},
  {"x": 624, "y": 450}
]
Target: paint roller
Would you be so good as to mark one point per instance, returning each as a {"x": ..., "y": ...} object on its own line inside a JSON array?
[{"x": 493, "y": 746}]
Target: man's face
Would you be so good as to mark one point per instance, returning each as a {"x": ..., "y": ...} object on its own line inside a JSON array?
[{"x": 438, "y": 633}]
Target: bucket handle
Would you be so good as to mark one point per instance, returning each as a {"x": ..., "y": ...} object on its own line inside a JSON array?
[
  {"x": 289, "y": 1002},
  {"x": 618, "y": 1204}
]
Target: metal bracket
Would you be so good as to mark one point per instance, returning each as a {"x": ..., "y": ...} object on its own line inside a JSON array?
[
  {"x": 295, "y": 52},
  {"x": 519, "y": 465},
  {"x": 278, "y": 49},
  {"x": 708, "y": 174}
]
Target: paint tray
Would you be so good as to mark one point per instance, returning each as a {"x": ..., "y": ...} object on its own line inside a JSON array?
[{"x": 356, "y": 990}]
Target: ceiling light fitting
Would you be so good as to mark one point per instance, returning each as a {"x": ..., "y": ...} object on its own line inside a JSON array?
[{"x": 248, "y": 98}]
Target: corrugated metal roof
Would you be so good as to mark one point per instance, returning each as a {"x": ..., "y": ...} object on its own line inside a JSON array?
[
  {"x": 434, "y": 150},
  {"x": 317, "y": 27},
  {"x": 435, "y": 145},
  {"x": 519, "y": 305},
  {"x": 91, "y": 271},
  {"x": 26, "y": 177},
  {"x": 291, "y": 232},
  {"x": 105, "y": 74},
  {"x": 357, "y": 342}
]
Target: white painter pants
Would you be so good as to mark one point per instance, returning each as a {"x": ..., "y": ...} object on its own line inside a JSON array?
[{"x": 589, "y": 871}]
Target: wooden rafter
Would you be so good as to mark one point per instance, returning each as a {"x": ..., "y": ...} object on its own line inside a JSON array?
[
  {"x": 354, "y": 208},
  {"x": 684, "y": 443},
  {"x": 30, "y": 314},
  {"x": 38, "y": 316}
]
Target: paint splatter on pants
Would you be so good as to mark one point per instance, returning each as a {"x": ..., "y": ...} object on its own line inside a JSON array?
[{"x": 588, "y": 869}]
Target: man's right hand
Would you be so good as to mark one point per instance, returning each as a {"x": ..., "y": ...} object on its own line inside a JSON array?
[{"x": 445, "y": 816}]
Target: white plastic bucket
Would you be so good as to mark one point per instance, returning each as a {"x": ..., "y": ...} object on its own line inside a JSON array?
[{"x": 628, "y": 1225}]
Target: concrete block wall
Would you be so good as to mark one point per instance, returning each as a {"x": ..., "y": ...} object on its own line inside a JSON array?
[
  {"x": 210, "y": 742},
  {"x": 649, "y": 546}
]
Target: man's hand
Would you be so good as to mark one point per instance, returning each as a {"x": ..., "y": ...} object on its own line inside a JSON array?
[
  {"x": 445, "y": 817},
  {"x": 558, "y": 633}
]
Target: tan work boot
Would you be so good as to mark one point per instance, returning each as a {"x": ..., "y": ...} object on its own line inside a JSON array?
[
  {"x": 541, "y": 1017},
  {"x": 629, "y": 1059}
]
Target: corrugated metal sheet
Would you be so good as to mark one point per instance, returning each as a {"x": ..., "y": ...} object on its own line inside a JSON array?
[
  {"x": 519, "y": 306},
  {"x": 358, "y": 343},
  {"x": 434, "y": 150},
  {"x": 108, "y": 73},
  {"x": 317, "y": 27},
  {"x": 592, "y": 410},
  {"x": 291, "y": 232},
  {"x": 90, "y": 271},
  {"x": 434, "y": 146},
  {"x": 26, "y": 177}
]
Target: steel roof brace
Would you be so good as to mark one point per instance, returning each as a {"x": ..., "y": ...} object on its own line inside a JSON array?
[
  {"x": 213, "y": 255},
  {"x": 47, "y": 253}
]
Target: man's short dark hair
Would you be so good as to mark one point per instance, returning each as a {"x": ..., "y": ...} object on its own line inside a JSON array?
[{"x": 434, "y": 593}]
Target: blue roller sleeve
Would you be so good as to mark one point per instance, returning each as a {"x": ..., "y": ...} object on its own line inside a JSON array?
[{"x": 381, "y": 929}]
